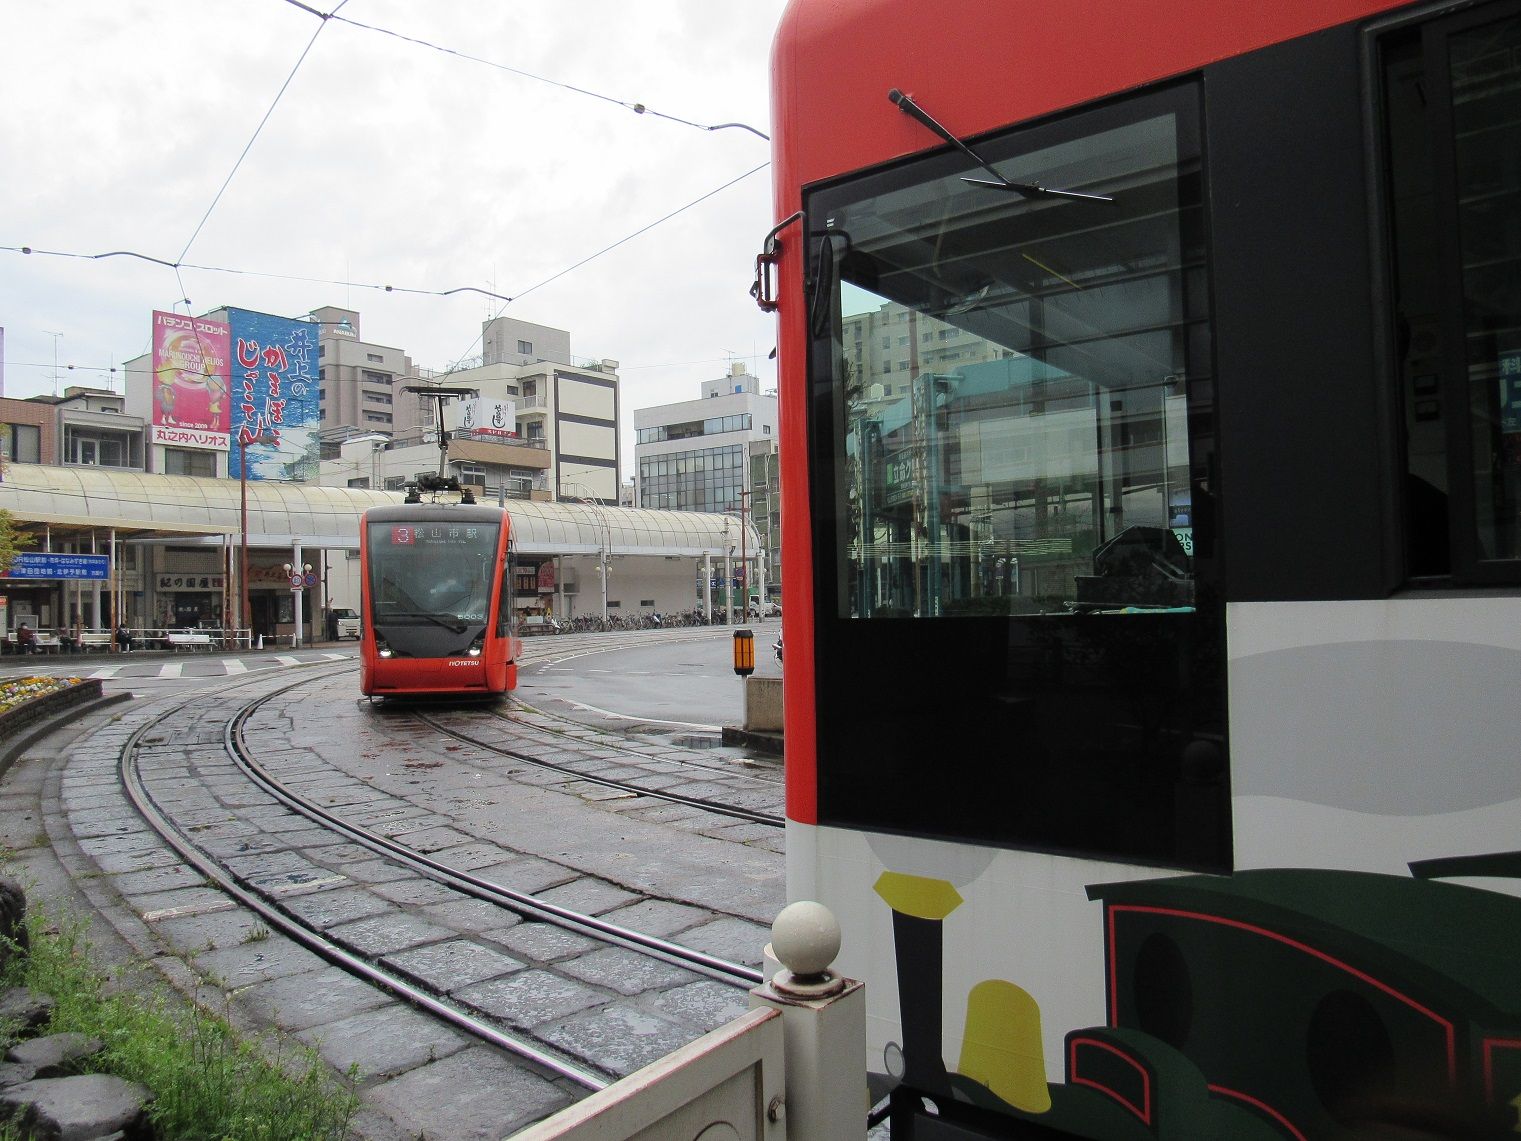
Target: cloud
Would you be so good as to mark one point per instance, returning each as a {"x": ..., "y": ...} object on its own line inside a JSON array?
[{"x": 387, "y": 163}]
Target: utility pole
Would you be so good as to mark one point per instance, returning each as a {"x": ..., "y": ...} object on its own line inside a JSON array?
[{"x": 744, "y": 577}]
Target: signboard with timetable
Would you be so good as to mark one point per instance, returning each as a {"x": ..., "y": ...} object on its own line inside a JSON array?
[{"x": 37, "y": 564}]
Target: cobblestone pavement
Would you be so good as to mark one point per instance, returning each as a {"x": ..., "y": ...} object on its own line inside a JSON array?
[{"x": 74, "y": 835}]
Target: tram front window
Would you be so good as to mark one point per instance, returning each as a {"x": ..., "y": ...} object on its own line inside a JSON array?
[
  {"x": 431, "y": 572},
  {"x": 1011, "y": 411},
  {"x": 1009, "y": 378}
]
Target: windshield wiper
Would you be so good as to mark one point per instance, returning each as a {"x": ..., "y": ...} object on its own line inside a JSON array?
[
  {"x": 455, "y": 627},
  {"x": 1024, "y": 189}
]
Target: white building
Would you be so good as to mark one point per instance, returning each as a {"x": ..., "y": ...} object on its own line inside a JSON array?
[
  {"x": 691, "y": 456},
  {"x": 707, "y": 454},
  {"x": 566, "y": 406}
]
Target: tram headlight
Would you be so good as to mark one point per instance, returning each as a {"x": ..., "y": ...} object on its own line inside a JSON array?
[
  {"x": 478, "y": 645},
  {"x": 382, "y": 647}
]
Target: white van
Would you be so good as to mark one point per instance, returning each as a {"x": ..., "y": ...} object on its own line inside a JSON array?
[{"x": 348, "y": 622}]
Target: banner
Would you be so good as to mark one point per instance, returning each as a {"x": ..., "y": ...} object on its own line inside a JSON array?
[
  {"x": 274, "y": 396},
  {"x": 190, "y": 370}
]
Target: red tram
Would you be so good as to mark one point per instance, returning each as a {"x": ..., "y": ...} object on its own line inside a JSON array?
[
  {"x": 1150, "y": 380},
  {"x": 437, "y": 611}
]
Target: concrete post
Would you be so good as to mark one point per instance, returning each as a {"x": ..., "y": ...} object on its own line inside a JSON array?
[
  {"x": 823, "y": 1027},
  {"x": 296, "y": 595}
]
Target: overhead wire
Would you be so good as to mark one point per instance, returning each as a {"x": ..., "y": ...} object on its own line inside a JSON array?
[
  {"x": 179, "y": 263},
  {"x": 637, "y": 108},
  {"x": 456, "y": 367},
  {"x": 29, "y": 250},
  {"x": 255, "y": 136}
]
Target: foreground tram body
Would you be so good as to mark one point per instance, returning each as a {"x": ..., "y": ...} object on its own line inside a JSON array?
[
  {"x": 1152, "y": 504},
  {"x": 437, "y": 616}
]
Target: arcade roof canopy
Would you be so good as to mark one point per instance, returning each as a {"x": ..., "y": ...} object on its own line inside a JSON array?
[{"x": 187, "y": 511}]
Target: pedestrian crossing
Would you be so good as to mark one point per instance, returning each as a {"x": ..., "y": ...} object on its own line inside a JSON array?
[{"x": 185, "y": 667}]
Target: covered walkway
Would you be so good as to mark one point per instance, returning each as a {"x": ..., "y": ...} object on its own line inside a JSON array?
[{"x": 175, "y": 548}]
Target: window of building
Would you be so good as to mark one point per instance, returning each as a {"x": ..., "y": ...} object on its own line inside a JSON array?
[
  {"x": 321, "y": 350},
  {"x": 21, "y": 443},
  {"x": 190, "y": 461},
  {"x": 369, "y": 376},
  {"x": 525, "y": 347},
  {"x": 377, "y": 417},
  {"x": 360, "y": 482},
  {"x": 88, "y": 450},
  {"x": 378, "y": 397},
  {"x": 374, "y": 357}
]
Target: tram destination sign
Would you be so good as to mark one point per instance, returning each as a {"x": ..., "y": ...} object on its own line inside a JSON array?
[{"x": 37, "y": 564}]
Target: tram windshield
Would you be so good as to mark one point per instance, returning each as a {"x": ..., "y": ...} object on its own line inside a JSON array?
[
  {"x": 432, "y": 573},
  {"x": 1016, "y": 387}
]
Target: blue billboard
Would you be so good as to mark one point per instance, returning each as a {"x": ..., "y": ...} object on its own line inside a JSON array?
[
  {"x": 41, "y": 564},
  {"x": 274, "y": 396}
]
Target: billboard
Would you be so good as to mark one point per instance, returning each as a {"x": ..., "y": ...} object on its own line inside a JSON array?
[
  {"x": 274, "y": 396},
  {"x": 482, "y": 418},
  {"x": 190, "y": 367}
]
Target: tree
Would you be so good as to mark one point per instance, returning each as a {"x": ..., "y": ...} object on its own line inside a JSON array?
[{"x": 13, "y": 540}]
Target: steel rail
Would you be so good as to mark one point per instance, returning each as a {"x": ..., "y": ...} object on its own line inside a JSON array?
[
  {"x": 233, "y": 885},
  {"x": 714, "y": 806},
  {"x": 521, "y": 902}
]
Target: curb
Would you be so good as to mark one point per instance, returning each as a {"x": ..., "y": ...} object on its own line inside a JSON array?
[
  {"x": 763, "y": 742},
  {"x": 23, "y": 727}
]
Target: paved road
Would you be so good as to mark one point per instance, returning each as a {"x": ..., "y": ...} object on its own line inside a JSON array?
[{"x": 690, "y": 683}]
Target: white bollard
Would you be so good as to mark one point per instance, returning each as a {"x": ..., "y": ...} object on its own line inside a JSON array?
[{"x": 823, "y": 1027}]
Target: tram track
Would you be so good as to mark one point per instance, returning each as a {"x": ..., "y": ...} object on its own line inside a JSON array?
[
  {"x": 620, "y": 784},
  {"x": 250, "y": 889}
]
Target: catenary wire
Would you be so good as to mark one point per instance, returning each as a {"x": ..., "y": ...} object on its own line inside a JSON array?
[
  {"x": 254, "y": 137},
  {"x": 637, "y": 108}
]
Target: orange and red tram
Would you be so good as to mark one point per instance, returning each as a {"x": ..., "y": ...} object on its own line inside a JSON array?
[{"x": 437, "y": 613}]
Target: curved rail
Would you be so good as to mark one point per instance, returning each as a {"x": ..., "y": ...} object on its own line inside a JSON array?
[
  {"x": 717, "y": 807},
  {"x": 327, "y": 949}
]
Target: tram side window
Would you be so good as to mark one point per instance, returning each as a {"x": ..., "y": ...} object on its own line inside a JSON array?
[
  {"x": 1042, "y": 456},
  {"x": 1451, "y": 104}
]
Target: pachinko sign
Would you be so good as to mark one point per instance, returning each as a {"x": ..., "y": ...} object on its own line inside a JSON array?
[
  {"x": 274, "y": 396},
  {"x": 190, "y": 379}
]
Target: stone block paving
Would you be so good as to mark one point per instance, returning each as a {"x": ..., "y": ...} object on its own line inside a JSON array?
[{"x": 610, "y": 1007}]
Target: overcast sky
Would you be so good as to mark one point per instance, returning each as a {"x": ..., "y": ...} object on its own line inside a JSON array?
[{"x": 386, "y": 162}]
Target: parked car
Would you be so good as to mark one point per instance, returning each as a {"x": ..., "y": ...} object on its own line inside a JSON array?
[
  {"x": 766, "y": 609},
  {"x": 348, "y": 622}
]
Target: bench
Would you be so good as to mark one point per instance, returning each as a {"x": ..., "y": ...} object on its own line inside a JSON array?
[
  {"x": 44, "y": 644},
  {"x": 187, "y": 640},
  {"x": 90, "y": 641}
]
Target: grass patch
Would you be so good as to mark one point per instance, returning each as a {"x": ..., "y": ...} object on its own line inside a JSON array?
[{"x": 208, "y": 1083}]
